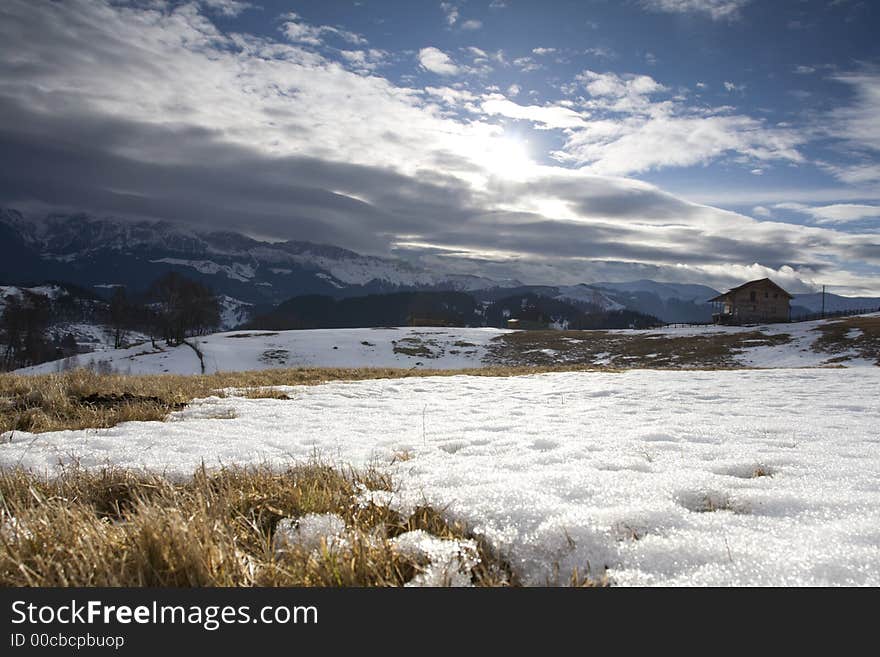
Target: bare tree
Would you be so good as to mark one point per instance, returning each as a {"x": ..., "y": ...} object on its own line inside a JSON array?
[
  {"x": 24, "y": 322},
  {"x": 120, "y": 316},
  {"x": 183, "y": 307}
]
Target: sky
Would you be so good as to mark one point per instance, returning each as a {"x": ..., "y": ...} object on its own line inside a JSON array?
[{"x": 699, "y": 141}]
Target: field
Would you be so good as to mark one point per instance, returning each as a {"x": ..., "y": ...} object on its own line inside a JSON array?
[
  {"x": 851, "y": 341},
  {"x": 696, "y": 471}
]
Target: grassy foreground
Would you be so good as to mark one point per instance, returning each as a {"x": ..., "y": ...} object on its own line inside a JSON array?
[{"x": 118, "y": 528}]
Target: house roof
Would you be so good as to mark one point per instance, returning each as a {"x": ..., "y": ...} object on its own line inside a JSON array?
[{"x": 722, "y": 297}]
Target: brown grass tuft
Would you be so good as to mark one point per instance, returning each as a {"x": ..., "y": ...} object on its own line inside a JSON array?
[{"x": 118, "y": 528}]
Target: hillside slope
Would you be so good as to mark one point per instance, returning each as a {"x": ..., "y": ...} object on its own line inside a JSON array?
[{"x": 849, "y": 342}]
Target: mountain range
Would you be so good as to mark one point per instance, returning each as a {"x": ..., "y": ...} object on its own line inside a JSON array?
[{"x": 255, "y": 276}]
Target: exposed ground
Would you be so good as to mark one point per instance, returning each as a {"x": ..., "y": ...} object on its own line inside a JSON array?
[
  {"x": 853, "y": 336},
  {"x": 628, "y": 350}
]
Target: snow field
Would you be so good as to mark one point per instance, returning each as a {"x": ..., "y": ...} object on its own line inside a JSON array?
[
  {"x": 404, "y": 347},
  {"x": 762, "y": 477}
]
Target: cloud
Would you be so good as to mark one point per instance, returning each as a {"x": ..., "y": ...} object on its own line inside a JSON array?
[
  {"x": 606, "y": 53},
  {"x": 152, "y": 111},
  {"x": 546, "y": 117},
  {"x": 804, "y": 70},
  {"x": 365, "y": 60},
  {"x": 451, "y": 12},
  {"x": 435, "y": 60},
  {"x": 714, "y": 9},
  {"x": 514, "y": 89},
  {"x": 543, "y": 51},
  {"x": 731, "y": 87},
  {"x": 837, "y": 213},
  {"x": 631, "y": 130},
  {"x": 856, "y": 174},
  {"x": 472, "y": 24},
  {"x": 526, "y": 64},
  {"x": 227, "y": 7},
  {"x": 299, "y": 32},
  {"x": 857, "y": 122},
  {"x": 634, "y": 88}
]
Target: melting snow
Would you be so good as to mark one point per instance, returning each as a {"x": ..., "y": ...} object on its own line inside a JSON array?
[{"x": 750, "y": 477}]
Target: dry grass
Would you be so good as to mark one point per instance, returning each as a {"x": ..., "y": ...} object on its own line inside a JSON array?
[
  {"x": 81, "y": 399},
  {"x": 118, "y": 528},
  {"x": 626, "y": 351},
  {"x": 834, "y": 339}
]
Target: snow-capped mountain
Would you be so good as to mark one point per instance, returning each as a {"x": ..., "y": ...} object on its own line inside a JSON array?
[
  {"x": 102, "y": 253},
  {"x": 588, "y": 294}
]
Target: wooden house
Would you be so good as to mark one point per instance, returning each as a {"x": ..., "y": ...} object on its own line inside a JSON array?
[{"x": 752, "y": 303}]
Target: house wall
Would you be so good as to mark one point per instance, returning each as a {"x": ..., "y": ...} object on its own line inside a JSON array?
[{"x": 761, "y": 302}]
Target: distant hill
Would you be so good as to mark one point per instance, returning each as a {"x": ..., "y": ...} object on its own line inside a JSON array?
[
  {"x": 804, "y": 304},
  {"x": 396, "y": 309},
  {"x": 441, "y": 308},
  {"x": 671, "y": 302}
]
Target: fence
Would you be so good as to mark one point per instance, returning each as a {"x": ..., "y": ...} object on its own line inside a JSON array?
[
  {"x": 799, "y": 318},
  {"x": 836, "y": 313}
]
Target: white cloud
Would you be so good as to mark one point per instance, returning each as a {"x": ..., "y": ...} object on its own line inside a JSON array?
[
  {"x": 435, "y": 60},
  {"x": 664, "y": 139},
  {"x": 858, "y": 122},
  {"x": 477, "y": 52},
  {"x": 761, "y": 211},
  {"x": 617, "y": 86},
  {"x": 837, "y": 213},
  {"x": 472, "y": 24},
  {"x": 546, "y": 117},
  {"x": 630, "y": 130},
  {"x": 731, "y": 87},
  {"x": 451, "y": 12},
  {"x": 365, "y": 60},
  {"x": 526, "y": 64},
  {"x": 543, "y": 51},
  {"x": 601, "y": 52},
  {"x": 299, "y": 32},
  {"x": 451, "y": 96},
  {"x": 804, "y": 70},
  {"x": 856, "y": 174},
  {"x": 227, "y": 7},
  {"x": 514, "y": 89},
  {"x": 714, "y": 9}
]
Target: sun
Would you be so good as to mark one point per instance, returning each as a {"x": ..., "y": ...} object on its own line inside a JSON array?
[{"x": 507, "y": 157}]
